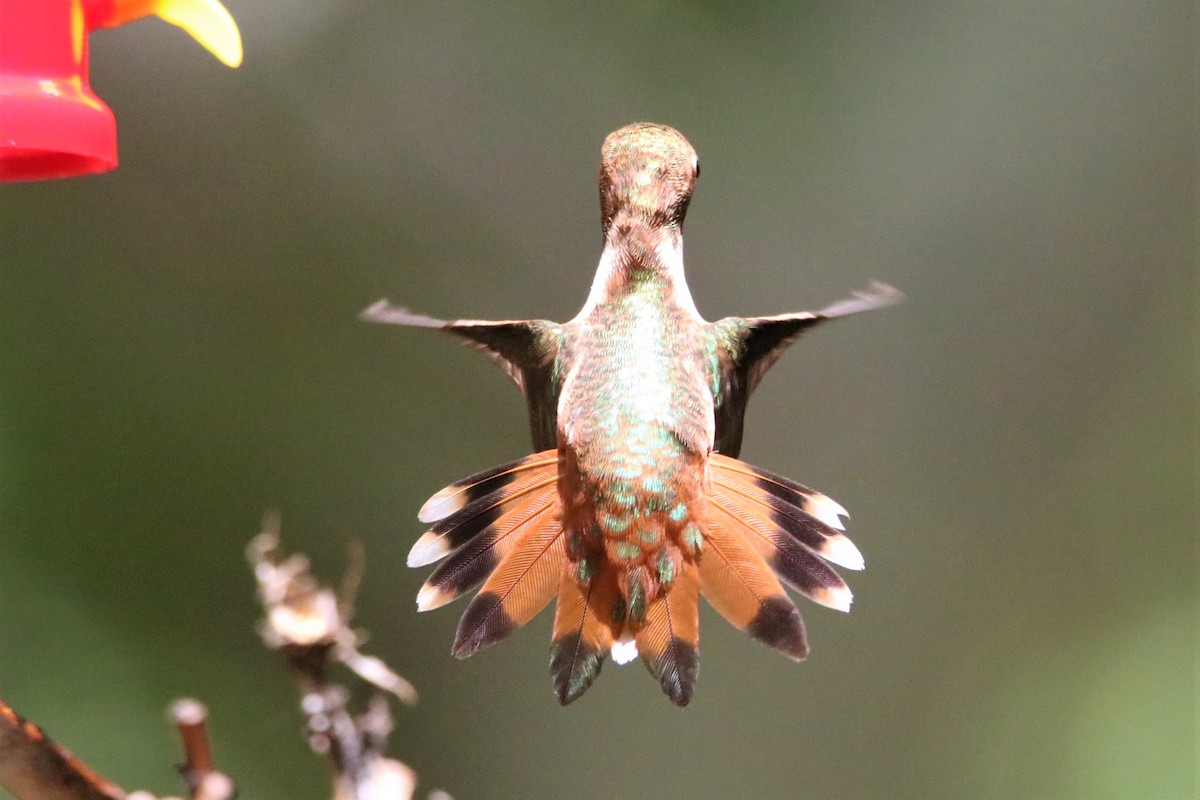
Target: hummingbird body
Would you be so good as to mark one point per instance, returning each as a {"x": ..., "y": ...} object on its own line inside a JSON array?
[
  {"x": 635, "y": 504},
  {"x": 635, "y": 425}
]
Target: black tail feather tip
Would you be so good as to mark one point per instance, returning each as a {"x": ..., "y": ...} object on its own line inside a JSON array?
[
  {"x": 677, "y": 674},
  {"x": 573, "y": 667},
  {"x": 779, "y": 626}
]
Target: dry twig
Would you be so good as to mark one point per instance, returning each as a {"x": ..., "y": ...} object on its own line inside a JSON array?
[
  {"x": 35, "y": 767},
  {"x": 310, "y": 624}
]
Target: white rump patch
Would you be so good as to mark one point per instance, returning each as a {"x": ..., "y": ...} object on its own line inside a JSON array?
[{"x": 624, "y": 650}]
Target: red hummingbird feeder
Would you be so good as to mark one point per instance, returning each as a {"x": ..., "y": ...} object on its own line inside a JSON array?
[{"x": 52, "y": 125}]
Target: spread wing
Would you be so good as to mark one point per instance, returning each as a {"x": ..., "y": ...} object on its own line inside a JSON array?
[
  {"x": 749, "y": 346},
  {"x": 525, "y": 349}
]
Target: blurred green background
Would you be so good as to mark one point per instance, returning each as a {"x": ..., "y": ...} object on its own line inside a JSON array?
[{"x": 1017, "y": 443}]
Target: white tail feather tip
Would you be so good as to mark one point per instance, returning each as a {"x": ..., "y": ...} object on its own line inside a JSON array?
[
  {"x": 441, "y": 505},
  {"x": 841, "y": 551},
  {"x": 827, "y": 510},
  {"x": 839, "y": 599},
  {"x": 427, "y": 550},
  {"x": 427, "y": 597}
]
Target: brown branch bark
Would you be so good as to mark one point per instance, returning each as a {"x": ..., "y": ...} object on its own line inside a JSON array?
[
  {"x": 308, "y": 623},
  {"x": 35, "y": 767}
]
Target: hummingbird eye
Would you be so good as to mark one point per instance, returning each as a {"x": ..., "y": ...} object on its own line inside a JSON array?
[{"x": 696, "y": 166}]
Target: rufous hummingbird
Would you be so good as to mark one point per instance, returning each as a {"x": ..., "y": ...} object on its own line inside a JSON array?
[{"x": 634, "y": 503}]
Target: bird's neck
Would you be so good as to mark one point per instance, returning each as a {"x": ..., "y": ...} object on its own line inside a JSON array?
[{"x": 640, "y": 255}]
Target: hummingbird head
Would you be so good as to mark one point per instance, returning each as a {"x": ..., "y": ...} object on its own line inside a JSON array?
[{"x": 648, "y": 171}]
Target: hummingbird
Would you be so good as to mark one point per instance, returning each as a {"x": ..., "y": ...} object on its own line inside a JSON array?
[{"x": 634, "y": 503}]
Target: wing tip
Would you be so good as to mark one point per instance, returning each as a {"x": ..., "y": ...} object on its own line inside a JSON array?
[
  {"x": 877, "y": 295},
  {"x": 384, "y": 312}
]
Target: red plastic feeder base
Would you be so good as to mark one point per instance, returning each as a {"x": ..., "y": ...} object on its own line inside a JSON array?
[{"x": 53, "y": 129}]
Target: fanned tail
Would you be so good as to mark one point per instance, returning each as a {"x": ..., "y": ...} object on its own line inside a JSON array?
[
  {"x": 810, "y": 517},
  {"x": 739, "y": 584},
  {"x": 481, "y": 504},
  {"x": 585, "y": 627},
  {"x": 479, "y": 535},
  {"x": 503, "y": 528},
  {"x": 461, "y": 494},
  {"x": 669, "y": 642},
  {"x": 762, "y": 523},
  {"x": 792, "y": 542},
  {"x": 791, "y": 561},
  {"x": 524, "y": 583}
]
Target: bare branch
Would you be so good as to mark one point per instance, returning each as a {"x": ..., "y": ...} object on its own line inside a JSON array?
[
  {"x": 310, "y": 624},
  {"x": 356, "y": 565},
  {"x": 35, "y": 767},
  {"x": 305, "y": 620},
  {"x": 198, "y": 770}
]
